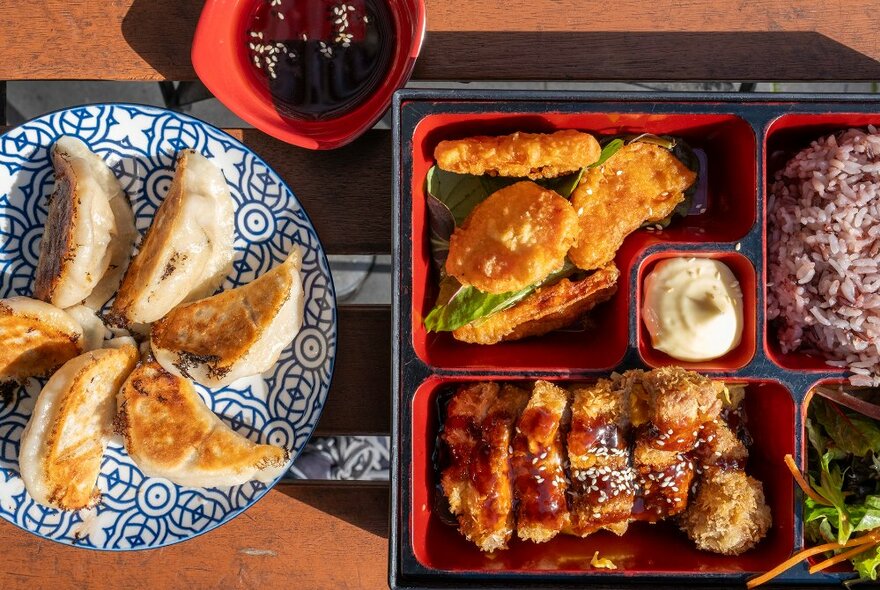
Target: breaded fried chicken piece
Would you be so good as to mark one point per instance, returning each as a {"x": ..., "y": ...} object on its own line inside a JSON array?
[
  {"x": 548, "y": 308},
  {"x": 663, "y": 478},
  {"x": 717, "y": 444},
  {"x": 513, "y": 239},
  {"x": 539, "y": 476},
  {"x": 641, "y": 182},
  {"x": 680, "y": 401},
  {"x": 477, "y": 482},
  {"x": 532, "y": 155},
  {"x": 602, "y": 482},
  {"x": 729, "y": 514}
]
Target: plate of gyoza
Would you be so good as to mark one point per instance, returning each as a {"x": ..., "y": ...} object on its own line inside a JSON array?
[{"x": 167, "y": 327}]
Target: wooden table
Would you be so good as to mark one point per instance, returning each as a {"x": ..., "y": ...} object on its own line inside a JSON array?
[{"x": 310, "y": 534}]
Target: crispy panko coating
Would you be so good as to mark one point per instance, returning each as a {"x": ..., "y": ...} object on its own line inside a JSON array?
[
  {"x": 728, "y": 515},
  {"x": 602, "y": 482},
  {"x": 548, "y": 308},
  {"x": 680, "y": 401},
  {"x": 513, "y": 239},
  {"x": 641, "y": 182},
  {"x": 532, "y": 155},
  {"x": 477, "y": 482},
  {"x": 539, "y": 476}
]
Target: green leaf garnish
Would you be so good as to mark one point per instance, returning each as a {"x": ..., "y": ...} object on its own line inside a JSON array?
[{"x": 458, "y": 305}]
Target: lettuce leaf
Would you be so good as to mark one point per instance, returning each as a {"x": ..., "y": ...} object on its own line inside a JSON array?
[
  {"x": 830, "y": 487},
  {"x": 458, "y": 305},
  {"x": 867, "y": 564},
  {"x": 851, "y": 433}
]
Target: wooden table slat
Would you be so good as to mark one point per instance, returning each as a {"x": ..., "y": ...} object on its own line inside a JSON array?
[
  {"x": 359, "y": 401},
  {"x": 542, "y": 39},
  {"x": 297, "y": 536}
]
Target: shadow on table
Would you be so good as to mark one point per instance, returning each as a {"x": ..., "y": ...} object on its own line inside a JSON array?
[
  {"x": 776, "y": 55},
  {"x": 162, "y": 33},
  {"x": 363, "y": 504}
]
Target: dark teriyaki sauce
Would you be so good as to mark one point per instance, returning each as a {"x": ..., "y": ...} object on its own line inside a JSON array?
[{"x": 319, "y": 59}]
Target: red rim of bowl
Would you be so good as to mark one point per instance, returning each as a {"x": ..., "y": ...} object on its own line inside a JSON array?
[{"x": 220, "y": 61}]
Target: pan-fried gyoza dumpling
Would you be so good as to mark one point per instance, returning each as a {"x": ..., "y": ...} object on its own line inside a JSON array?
[
  {"x": 235, "y": 333},
  {"x": 169, "y": 432},
  {"x": 72, "y": 422},
  {"x": 35, "y": 338},
  {"x": 89, "y": 230},
  {"x": 187, "y": 251}
]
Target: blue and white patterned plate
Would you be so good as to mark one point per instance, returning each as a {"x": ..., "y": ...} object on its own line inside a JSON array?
[{"x": 280, "y": 407}]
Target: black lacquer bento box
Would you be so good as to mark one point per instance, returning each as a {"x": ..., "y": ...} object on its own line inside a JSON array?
[{"x": 738, "y": 134}]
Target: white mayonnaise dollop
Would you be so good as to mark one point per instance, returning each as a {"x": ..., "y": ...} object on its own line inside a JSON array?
[{"x": 692, "y": 308}]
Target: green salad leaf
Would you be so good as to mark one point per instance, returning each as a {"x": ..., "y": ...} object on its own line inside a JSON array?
[
  {"x": 830, "y": 487},
  {"x": 458, "y": 305},
  {"x": 851, "y": 432},
  {"x": 867, "y": 564}
]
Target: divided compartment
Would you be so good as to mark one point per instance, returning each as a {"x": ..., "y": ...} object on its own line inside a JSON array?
[
  {"x": 845, "y": 567},
  {"x": 731, "y": 210},
  {"x": 785, "y": 136},
  {"x": 742, "y": 354},
  {"x": 645, "y": 550}
]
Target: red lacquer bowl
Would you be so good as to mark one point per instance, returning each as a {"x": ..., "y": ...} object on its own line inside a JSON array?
[{"x": 220, "y": 60}]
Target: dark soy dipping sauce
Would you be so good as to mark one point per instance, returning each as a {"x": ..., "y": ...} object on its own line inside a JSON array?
[{"x": 319, "y": 59}]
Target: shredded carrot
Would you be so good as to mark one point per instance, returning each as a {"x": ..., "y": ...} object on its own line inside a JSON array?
[
  {"x": 798, "y": 557},
  {"x": 799, "y": 478},
  {"x": 842, "y": 557}
]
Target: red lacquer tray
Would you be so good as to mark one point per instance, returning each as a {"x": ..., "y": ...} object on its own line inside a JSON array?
[{"x": 736, "y": 134}]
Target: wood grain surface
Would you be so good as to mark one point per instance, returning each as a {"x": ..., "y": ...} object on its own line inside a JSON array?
[
  {"x": 494, "y": 40},
  {"x": 297, "y": 536}
]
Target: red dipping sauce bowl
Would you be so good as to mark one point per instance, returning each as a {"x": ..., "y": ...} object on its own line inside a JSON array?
[{"x": 222, "y": 56}]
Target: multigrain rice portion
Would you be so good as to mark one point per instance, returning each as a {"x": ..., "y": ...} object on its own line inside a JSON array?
[{"x": 823, "y": 245}]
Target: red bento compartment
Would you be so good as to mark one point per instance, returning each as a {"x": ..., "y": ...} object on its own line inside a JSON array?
[
  {"x": 845, "y": 566},
  {"x": 784, "y": 137},
  {"x": 645, "y": 549},
  {"x": 744, "y": 271},
  {"x": 730, "y": 145}
]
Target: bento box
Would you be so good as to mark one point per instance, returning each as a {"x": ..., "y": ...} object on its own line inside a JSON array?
[{"x": 737, "y": 134}]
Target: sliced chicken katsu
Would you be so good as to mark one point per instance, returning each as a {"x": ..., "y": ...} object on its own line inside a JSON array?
[
  {"x": 547, "y": 309},
  {"x": 729, "y": 514},
  {"x": 602, "y": 481},
  {"x": 533, "y": 155},
  {"x": 37, "y": 338},
  {"x": 641, "y": 182},
  {"x": 477, "y": 481},
  {"x": 679, "y": 402},
  {"x": 540, "y": 483}
]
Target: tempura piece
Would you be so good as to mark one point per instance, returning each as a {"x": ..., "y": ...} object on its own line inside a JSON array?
[
  {"x": 37, "y": 338},
  {"x": 539, "y": 475},
  {"x": 169, "y": 432},
  {"x": 477, "y": 480},
  {"x": 513, "y": 239},
  {"x": 729, "y": 514},
  {"x": 547, "y": 309},
  {"x": 532, "y": 155},
  {"x": 602, "y": 482},
  {"x": 64, "y": 440},
  {"x": 641, "y": 182}
]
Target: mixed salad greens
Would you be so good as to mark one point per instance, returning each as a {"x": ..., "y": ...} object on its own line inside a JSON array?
[
  {"x": 842, "y": 487},
  {"x": 451, "y": 197}
]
